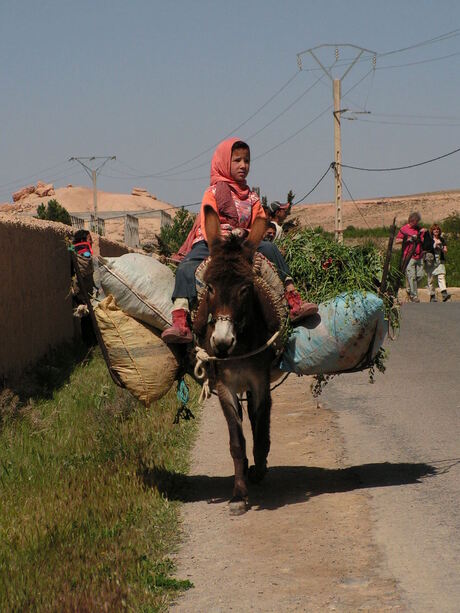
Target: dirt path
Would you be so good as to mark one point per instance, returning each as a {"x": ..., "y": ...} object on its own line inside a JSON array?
[{"x": 307, "y": 542}]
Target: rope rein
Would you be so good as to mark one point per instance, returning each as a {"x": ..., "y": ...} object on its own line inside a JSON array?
[{"x": 203, "y": 359}]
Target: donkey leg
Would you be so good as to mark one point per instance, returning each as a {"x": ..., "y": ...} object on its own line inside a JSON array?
[
  {"x": 231, "y": 408},
  {"x": 259, "y": 407}
]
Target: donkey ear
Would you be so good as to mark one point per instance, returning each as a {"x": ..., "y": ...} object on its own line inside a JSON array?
[
  {"x": 256, "y": 234},
  {"x": 211, "y": 226}
]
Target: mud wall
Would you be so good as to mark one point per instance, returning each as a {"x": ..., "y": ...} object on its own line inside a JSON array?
[
  {"x": 35, "y": 309},
  {"x": 109, "y": 248},
  {"x": 35, "y": 305}
]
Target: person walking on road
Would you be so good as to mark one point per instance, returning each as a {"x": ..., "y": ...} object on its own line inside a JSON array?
[
  {"x": 435, "y": 255},
  {"x": 411, "y": 235}
]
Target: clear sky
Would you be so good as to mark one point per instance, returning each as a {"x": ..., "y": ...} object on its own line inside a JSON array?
[{"x": 160, "y": 83}]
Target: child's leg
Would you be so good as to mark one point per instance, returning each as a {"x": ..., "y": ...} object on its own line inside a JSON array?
[
  {"x": 272, "y": 253},
  {"x": 184, "y": 294},
  {"x": 298, "y": 308},
  {"x": 184, "y": 286}
]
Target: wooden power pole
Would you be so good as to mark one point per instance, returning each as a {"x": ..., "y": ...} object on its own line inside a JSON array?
[{"x": 336, "y": 93}]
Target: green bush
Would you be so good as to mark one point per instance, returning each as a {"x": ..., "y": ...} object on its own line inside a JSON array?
[
  {"x": 54, "y": 212},
  {"x": 173, "y": 235},
  {"x": 451, "y": 225},
  {"x": 352, "y": 232},
  {"x": 453, "y": 263}
]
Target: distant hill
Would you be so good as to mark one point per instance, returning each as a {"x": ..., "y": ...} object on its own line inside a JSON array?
[
  {"x": 79, "y": 202},
  {"x": 433, "y": 206}
]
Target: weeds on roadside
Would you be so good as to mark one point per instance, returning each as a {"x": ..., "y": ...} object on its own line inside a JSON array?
[{"x": 80, "y": 530}]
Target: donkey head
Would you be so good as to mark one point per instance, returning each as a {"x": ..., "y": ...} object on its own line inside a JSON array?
[{"x": 232, "y": 311}]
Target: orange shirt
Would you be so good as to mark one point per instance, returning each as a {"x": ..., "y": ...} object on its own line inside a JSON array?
[{"x": 248, "y": 210}]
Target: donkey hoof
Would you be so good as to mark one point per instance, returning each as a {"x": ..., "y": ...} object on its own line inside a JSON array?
[
  {"x": 238, "y": 505},
  {"x": 255, "y": 475}
]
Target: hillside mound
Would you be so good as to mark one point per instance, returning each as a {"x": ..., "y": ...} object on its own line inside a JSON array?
[
  {"x": 78, "y": 201},
  {"x": 433, "y": 206}
]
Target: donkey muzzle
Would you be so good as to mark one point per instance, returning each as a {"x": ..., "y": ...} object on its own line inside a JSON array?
[{"x": 223, "y": 339}]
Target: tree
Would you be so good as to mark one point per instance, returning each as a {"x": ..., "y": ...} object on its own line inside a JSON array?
[
  {"x": 173, "y": 235},
  {"x": 451, "y": 224},
  {"x": 264, "y": 201},
  {"x": 54, "y": 212}
]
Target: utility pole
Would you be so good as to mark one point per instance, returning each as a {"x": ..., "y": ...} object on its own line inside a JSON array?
[
  {"x": 336, "y": 94},
  {"x": 92, "y": 173},
  {"x": 337, "y": 162}
]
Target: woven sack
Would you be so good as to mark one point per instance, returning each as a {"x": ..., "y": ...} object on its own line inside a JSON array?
[
  {"x": 141, "y": 286},
  {"x": 144, "y": 363}
]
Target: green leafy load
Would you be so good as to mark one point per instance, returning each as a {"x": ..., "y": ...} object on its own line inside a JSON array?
[{"x": 322, "y": 269}]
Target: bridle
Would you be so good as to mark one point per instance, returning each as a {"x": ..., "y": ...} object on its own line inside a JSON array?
[
  {"x": 214, "y": 319},
  {"x": 203, "y": 359}
]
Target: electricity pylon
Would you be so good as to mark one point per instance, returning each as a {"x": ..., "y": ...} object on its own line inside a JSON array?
[
  {"x": 92, "y": 173},
  {"x": 336, "y": 93}
]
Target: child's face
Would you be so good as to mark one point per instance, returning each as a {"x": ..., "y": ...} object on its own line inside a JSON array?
[{"x": 239, "y": 164}]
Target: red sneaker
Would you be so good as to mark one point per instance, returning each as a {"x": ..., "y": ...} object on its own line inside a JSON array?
[
  {"x": 298, "y": 309},
  {"x": 180, "y": 331}
]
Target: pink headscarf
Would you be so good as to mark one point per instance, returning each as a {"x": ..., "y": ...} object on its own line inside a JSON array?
[
  {"x": 220, "y": 169},
  {"x": 224, "y": 182}
]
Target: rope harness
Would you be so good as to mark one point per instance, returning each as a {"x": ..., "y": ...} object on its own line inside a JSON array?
[{"x": 203, "y": 359}]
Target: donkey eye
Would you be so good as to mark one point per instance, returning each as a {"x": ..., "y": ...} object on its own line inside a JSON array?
[
  {"x": 244, "y": 291},
  {"x": 210, "y": 289}
]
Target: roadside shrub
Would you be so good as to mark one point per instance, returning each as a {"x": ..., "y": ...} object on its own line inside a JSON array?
[
  {"x": 353, "y": 232},
  {"x": 451, "y": 225},
  {"x": 453, "y": 263},
  {"x": 173, "y": 235},
  {"x": 54, "y": 212}
]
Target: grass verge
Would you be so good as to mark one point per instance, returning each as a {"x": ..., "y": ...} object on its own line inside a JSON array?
[{"x": 81, "y": 529}]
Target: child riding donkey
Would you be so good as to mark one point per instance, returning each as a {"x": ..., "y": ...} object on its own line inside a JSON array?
[{"x": 237, "y": 207}]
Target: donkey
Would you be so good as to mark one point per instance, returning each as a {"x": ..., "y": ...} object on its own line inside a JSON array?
[{"x": 236, "y": 318}]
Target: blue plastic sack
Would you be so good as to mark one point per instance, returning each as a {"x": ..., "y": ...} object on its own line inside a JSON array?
[{"x": 347, "y": 330}]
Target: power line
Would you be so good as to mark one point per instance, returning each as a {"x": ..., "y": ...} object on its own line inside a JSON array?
[
  {"x": 20, "y": 180},
  {"x": 66, "y": 175},
  {"x": 430, "y": 41},
  {"x": 439, "y": 157},
  {"x": 309, "y": 88},
  {"x": 443, "y": 117},
  {"x": 353, "y": 200},
  {"x": 316, "y": 185},
  {"x": 403, "y": 123},
  {"x": 184, "y": 206},
  {"x": 291, "y": 136},
  {"x": 260, "y": 108},
  {"x": 253, "y": 135},
  {"x": 426, "y": 61}
]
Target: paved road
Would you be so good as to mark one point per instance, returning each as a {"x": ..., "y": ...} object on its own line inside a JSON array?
[{"x": 412, "y": 414}]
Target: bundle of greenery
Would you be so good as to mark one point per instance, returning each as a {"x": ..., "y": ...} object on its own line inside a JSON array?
[{"x": 322, "y": 268}]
